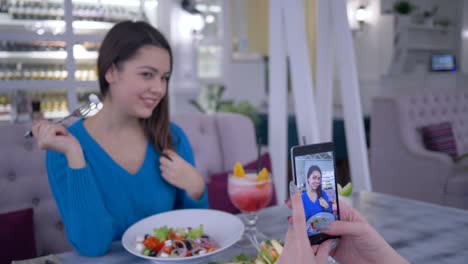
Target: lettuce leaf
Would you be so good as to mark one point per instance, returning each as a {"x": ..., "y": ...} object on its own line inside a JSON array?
[
  {"x": 195, "y": 233},
  {"x": 161, "y": 233}
]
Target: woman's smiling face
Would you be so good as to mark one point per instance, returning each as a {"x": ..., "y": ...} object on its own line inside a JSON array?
[
  {"x": 315, "y": 180},
  {"x": 139, "y": 84}
]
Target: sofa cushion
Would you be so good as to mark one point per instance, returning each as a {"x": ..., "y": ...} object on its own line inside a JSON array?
[
  {"x": 217, "y": 187},
  {"x": 17, "y": 236},
  {"x": 439, "y": 137},
  {"x": 202, "y": 132}
]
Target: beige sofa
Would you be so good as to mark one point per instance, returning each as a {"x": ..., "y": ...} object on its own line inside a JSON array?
[
  {"x": 400, "y": 163},
  {"x": 217, "y": 140}
]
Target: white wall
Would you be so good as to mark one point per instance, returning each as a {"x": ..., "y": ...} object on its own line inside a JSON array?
[
  {"x": 374, "y": 42},
  {"x": 373, "y": 45},
  {"x": 247, "y": 82}
]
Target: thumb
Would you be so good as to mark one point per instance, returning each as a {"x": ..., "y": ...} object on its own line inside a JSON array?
[
  {"x": 324, "y": 251},
  {"x": 339, "y": 228}
]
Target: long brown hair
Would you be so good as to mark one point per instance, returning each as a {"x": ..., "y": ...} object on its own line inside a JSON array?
[{"x": 121, "y": 44}]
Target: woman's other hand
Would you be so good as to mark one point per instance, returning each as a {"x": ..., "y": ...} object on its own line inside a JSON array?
[
  {"x": 52, "y": 136},
  {"x": 323, "y": 203},
  {"x": 181, "y": 174}
]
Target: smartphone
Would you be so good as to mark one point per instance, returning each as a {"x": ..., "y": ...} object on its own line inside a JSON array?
[{"x": 314, "y": 174}]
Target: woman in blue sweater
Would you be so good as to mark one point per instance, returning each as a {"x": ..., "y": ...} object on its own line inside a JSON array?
[
  {"x": 128, "y": 161},
  {"x": 315, "y": 200}
]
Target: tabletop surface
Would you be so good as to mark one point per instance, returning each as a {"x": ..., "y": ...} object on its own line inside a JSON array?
[{"x": 421, "y": 232}]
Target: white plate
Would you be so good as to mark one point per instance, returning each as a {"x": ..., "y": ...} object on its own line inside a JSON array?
[
  {"x": 322, "y": 217},
  {"x": 223, "y": 228}
]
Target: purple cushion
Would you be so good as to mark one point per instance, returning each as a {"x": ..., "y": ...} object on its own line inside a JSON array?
[
  {"x": 217, "y": 187},
  {"x": 439, "y": 137},
  {"x": 17, "y": 236}
]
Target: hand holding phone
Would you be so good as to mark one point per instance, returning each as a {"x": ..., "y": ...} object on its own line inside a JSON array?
[
  {"x": 297, "y": 248},
  {"x": 314, "y": 174}
]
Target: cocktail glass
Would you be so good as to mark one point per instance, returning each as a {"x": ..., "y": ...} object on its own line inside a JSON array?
[{"x": 250, "y": 195}]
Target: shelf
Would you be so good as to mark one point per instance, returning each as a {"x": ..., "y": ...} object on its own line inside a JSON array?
[
  {"x": 28, "y": 36},
  {"x": 429, "y": 28},
  {"x": 87, "y": 84},
  {"x": 88, "y": 38},
  {"x": 5, "y": 117},
  {"x": 24, "y": 29},
  {"x": 33, "y": 85},
  {"x": 38, "y": 57},
  {"x": 429, "y": 48},
  {"x": 46, "y": 57},
  {"x": 56, "y": 115}
]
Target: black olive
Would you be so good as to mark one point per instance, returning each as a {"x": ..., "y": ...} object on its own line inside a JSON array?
[
  {"x": 205, "y": 236},
  {"x": 188, "y": 245},
  {"x": 152, "y": 253},
  {"x": 146, "y": 236}
]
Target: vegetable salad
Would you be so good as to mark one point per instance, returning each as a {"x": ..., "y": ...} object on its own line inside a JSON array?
[
  {"x": 175, "y": 242},
  {"x": 269, "y": 253}
]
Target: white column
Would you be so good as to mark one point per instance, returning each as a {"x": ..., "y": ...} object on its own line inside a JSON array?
[
  {"x": 165, "y": 25},
  {"x": 350, "y": 97},
  {"x": 70, "y": 62},
  {"x": 296, "y": 42},
  {"x": 324, "y": 70},
  {"x": 277, "y": 117},
  {"x": 227, "y": 44}
]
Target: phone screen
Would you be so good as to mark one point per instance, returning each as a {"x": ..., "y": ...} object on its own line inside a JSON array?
[{"x": 315, "y": 177}]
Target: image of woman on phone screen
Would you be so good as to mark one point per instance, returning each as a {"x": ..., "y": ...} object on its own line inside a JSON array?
[{"x": 315, "y": 200}]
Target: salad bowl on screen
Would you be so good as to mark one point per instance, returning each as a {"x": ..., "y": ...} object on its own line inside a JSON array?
[{"x": 183, "y": 236}]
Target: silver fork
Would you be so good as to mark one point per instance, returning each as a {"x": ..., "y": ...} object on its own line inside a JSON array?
[{"x": 79, "y": 112}]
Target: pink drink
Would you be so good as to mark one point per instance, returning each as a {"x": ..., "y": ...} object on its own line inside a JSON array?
[{"x": 249, "y": 195}]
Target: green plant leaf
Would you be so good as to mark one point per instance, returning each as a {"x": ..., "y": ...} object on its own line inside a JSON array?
[{"x": 197, "y": 105}]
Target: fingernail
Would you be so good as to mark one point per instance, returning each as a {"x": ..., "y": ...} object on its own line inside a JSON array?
[
  {"x": 334, "y": 243},
  {"x": 323, "y": 226},
  {"x": 292, "y": 188}
]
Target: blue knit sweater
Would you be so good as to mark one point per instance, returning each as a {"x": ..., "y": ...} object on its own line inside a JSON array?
[{"x": 100, "y": 201}]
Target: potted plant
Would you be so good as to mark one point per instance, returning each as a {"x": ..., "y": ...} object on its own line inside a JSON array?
[
  {"x": 429, "y": 16},
  {"x": 403, "y": 7},
  {"x": 210, "y": 101}
]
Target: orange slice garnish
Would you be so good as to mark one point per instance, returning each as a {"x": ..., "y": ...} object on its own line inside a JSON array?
[
  {"x": 238, "y": 170},
  {"x": 263, "y": 175}
]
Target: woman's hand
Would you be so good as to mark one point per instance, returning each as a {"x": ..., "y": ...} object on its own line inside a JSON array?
[
  {"x": 297, "y": 248},
  {"x": 55, "y": 137},
  {"x": 181, "y": 174},
  {"x": 360, "y": 243},
  {"x": 323, "y": 203}
]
